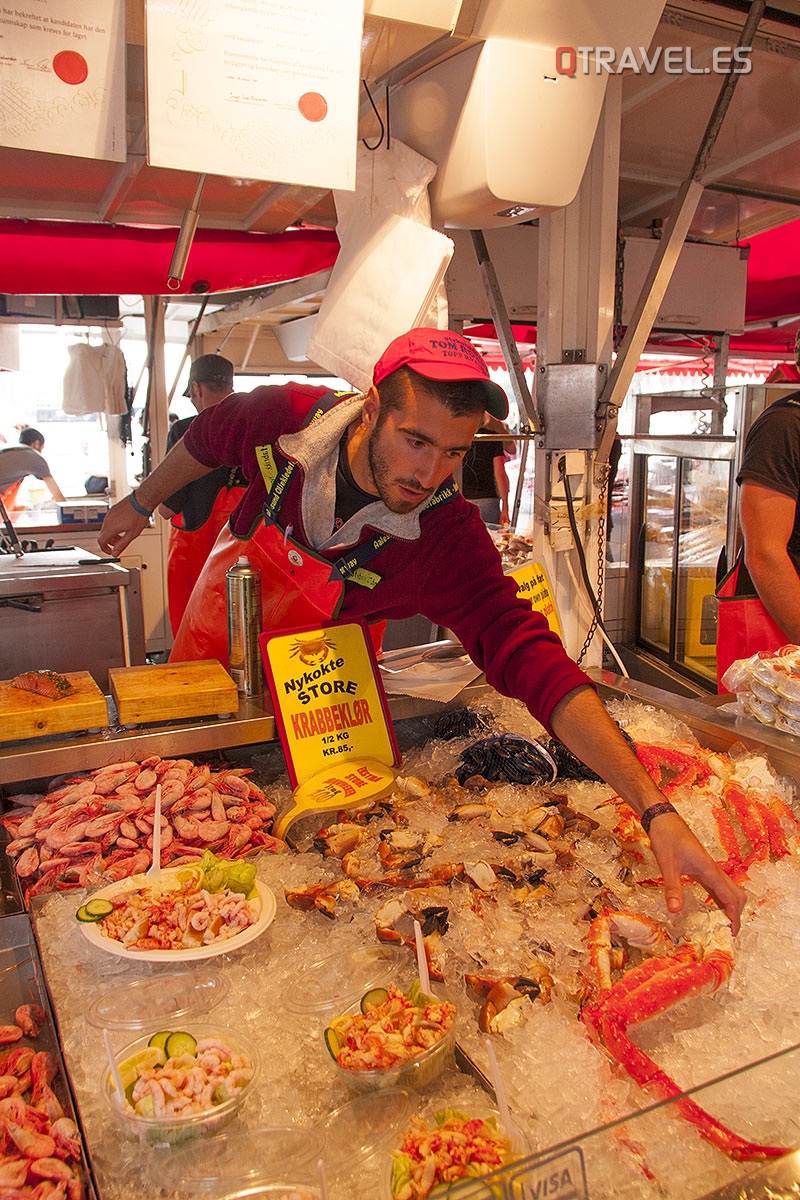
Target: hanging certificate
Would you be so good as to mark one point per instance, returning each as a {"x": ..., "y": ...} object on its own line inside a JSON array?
[
  {"x": 62, "y": 77},
  {"x": 255, "y": 89}
]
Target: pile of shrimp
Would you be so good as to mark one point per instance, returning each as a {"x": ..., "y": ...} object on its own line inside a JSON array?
[{"x": 189, "y": 1084}]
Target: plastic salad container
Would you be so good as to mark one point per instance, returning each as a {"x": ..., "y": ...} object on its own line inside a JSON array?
[
  {"x": 220, "y": 1064},
  {"x": 435, "y": 1018},
  {"x": 475, "y": 1132},
  {"x": 276, "y": 1162},
  {"x": 211, "y": 1068}
]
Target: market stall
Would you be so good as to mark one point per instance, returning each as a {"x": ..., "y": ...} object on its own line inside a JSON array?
[
  {"x": 532, "y": 886},
  {"x": 519, "y": 906}
]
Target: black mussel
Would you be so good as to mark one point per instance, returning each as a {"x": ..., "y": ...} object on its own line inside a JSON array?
[
  {"x": 462, "y": 722},
  {"x": 506, "y": 873},
  {"x": 528, "y": 987},
  {"x": 508, "y": 837},
  {"x": 507, "y": 758}
]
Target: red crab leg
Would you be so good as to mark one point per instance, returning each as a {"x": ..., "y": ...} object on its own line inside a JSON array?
[
  {"x": 647, "y": 757},
  {"x": 727, "y": 836},
  {"x": 778, "y": 842},
  {"x": 780, "y": 809},
  {"x": 647, "y": 1074},
  {"x": 693, "y": 772},
  {"x": 734, "y": 797},
  {"x": 688, "y": 768},
  {"x": 646, "y": 992}
]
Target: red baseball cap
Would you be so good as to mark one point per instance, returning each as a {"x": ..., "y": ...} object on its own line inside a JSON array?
[{"x": 441, "y": 354}]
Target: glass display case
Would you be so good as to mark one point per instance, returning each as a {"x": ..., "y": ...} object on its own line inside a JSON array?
[{"x": 684, "y": 529}]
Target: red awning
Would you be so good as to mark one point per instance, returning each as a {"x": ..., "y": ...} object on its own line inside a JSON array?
[
  {"x": 75, "y": 258},
  {"x": 64, "y": 258}
]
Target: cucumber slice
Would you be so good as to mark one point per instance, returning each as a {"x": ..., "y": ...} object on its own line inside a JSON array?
[
  {"x": 180, "y": 1043},
  {"x": 83, "y": 914},
  {"x": 373, "y": 999},
  {"x": 333, "y": 1043},
  {"x": 99, "y": 908},
  {"x": 159, "y": 1040}
]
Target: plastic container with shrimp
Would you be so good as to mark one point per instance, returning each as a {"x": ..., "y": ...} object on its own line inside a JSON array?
[
  {"x": 414, "y": 1072},
  {"x": 179, "y": 1003},
  {"x": 170, "y": 1128}
]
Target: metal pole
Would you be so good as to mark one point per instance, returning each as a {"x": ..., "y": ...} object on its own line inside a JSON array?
[
  {"x": 505, "y": 335},
  {"x": 676, "y": 228},
  {"x": 185, "y": 354}
]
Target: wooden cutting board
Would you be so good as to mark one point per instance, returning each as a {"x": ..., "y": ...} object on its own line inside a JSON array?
[
  {"x": 26, "y": 715},
  {"x": 172, "y": 692}
]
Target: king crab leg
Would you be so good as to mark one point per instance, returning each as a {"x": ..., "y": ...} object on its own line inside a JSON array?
[{"x": 647, "y": 991}]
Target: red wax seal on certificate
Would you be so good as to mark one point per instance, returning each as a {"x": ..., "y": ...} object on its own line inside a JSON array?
[
  {"x": 70, "y": 67},
  {"x": 313, "y": 106}
]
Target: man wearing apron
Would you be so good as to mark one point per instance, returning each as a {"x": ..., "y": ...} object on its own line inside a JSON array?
[
  {"x": 200, "y": 510},
  {"x": 351, "y": 512}
]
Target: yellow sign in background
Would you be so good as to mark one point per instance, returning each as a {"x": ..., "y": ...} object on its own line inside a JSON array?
[
  {"x": 534, "y": 586},
  {"x": 329, "y": 702}
]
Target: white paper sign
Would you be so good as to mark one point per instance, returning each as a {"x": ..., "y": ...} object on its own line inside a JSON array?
[
  {"x": 62, "y": 77},
  {"x": 255, "y": 89}
]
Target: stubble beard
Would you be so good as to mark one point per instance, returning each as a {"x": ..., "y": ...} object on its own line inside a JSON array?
[{"x": 382, "y": 477}]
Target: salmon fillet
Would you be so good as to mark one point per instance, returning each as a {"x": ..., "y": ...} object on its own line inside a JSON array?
[{"x": 44, "y": 683}]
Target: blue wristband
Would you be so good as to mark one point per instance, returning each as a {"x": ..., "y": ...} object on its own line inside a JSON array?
[{"x": 137, "y": 507}]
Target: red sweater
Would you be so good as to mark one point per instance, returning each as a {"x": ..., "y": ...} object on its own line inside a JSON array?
[{"x": 451, "y": 573}]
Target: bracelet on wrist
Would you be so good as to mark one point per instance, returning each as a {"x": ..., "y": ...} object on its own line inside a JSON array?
[
  {"x": 655, "y": 810},
  {"x": 137, "y": 507}
]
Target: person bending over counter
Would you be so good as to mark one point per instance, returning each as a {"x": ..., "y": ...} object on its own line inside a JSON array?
[
  {"x": 351, "y": 511},
  {"x": 18, "y": 462}
]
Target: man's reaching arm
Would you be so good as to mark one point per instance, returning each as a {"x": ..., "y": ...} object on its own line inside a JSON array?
[{"x": 123, "y": 523}]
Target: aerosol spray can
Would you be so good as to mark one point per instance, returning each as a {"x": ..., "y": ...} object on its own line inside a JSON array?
[{"x": 243, "y": 583}]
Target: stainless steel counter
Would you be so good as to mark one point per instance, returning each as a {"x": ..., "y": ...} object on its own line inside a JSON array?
[
  {"x": 69, "y": 610},
  {"x": 254, "y": 723}
]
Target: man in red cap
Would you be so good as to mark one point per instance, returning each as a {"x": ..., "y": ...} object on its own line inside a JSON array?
[{"x": 351, "y": 511}]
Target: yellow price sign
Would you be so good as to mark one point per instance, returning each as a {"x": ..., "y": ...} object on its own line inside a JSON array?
[
  {"x": 329, "y": 701},
  {"x": 534, "y": 586},
  {"x": 354, "y": 783}
]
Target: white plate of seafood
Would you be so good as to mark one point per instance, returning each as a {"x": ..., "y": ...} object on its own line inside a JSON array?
[{"x": 171, "y": 921}]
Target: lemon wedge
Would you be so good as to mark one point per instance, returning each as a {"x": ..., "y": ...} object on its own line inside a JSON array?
[{"x": 131, "y": 1068}]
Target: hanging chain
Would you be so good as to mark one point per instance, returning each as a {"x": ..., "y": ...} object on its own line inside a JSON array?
[{"x": 601, "y": 553}]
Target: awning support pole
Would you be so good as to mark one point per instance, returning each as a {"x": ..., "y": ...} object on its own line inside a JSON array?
[
  {"x": 676, "y": 227},
  {"x": 505, "y": 334}
]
